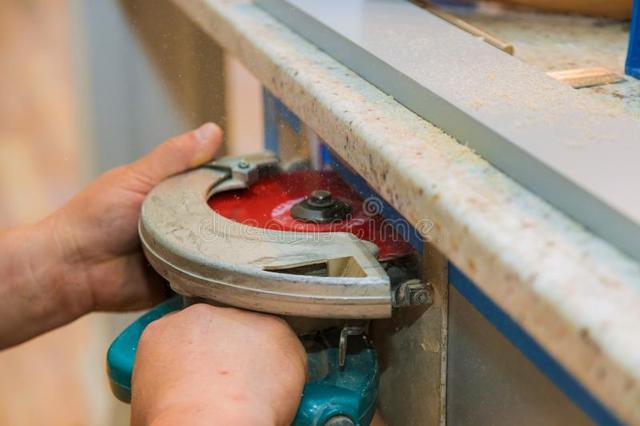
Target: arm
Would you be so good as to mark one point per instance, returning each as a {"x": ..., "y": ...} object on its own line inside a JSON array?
[
  {"x": 86, "y": 256},
  {"x": 208, "y": 365}
]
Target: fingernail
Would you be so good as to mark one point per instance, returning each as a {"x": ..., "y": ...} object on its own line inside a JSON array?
[{"x": 205, "y": 132}]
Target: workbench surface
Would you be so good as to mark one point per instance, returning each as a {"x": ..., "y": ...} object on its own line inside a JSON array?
[
  {"x": 558, "y": 42},
  {"x": 575, "y": 294}
]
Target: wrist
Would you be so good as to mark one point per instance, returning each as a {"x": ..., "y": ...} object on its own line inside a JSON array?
[
  {"x": 72, "y": 283},
  {"x": 35, "y": 293},
  {"x": 57, "y": 271}
]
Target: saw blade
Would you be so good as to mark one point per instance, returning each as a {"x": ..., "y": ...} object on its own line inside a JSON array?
[{"x": 268, "y": 203}]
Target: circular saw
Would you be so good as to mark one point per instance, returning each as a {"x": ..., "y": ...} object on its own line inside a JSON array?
[{"x": 241, "y": 232}]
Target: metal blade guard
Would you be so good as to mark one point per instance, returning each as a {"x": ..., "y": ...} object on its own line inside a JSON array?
[{"x": 206, "y": 255}]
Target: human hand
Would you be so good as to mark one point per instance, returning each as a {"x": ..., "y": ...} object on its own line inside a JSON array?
[
  {"x": 86, "y": 256},
  {"x": 97, "y": 231},
  {"x": 208, "y": 365}
]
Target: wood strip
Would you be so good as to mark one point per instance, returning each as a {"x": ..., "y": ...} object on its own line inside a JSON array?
[
  {"x": 470, "y": 28},
  {"x": 586, "y": 77}
]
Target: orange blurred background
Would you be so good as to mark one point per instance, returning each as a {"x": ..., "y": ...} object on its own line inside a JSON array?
[
  {"x": 85, "y": 86},
  {"x": 52, "y": 379}
]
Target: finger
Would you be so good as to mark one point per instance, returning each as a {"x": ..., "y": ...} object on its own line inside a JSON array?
[{"x": 179, "y": 153}]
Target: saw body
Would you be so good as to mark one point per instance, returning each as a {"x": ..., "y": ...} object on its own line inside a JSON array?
[{"x": 303, "y": 245}]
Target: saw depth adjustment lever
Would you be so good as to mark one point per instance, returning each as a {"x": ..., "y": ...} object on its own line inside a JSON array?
[{"x": 241, "y": 232}]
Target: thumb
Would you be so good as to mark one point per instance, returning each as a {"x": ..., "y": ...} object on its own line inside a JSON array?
[{"x": 179, "y": 153}]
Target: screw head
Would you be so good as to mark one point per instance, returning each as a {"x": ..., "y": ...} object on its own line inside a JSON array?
[
  {"x": 420, "y": 297},
  {"x": 243, "y": 164},
  {"x": 339, "y": 420},
  {"x": 320, "y": 196}
]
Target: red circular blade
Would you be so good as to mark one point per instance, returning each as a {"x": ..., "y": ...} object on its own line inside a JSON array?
[{"x": 267, "y": 204}]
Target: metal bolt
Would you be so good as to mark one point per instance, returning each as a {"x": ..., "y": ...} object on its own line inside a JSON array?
[
  {"x": 419, "y": 297},
  {"x": 339, "y": 420},
  {"x": 243, "y": 164},
  {"x": 321, "y": 197},
  {"x": 321, "y": 207},
  {"x": 413, "y": 292}
]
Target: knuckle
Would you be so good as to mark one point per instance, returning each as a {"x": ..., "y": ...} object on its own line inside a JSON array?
[
  {"x": 135, "y": 175},
  {"x": 277, "y": 326},
  {"x": 276, "y": 322},
  {"x": 151, "y": 333},
  {"x": 198, "y": 309},
  {"x": 114, "y": 175}
]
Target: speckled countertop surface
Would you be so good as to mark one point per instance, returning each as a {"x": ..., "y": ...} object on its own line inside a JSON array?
[{"x": 575, "y": 294}]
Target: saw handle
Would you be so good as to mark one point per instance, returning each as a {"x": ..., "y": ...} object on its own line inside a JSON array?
[
  {"x": 122, "y": 352},
  {"x": 332, "y": 395}
]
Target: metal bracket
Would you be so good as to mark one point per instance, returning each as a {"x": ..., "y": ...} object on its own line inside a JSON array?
[
  {"x": 244, "y": 171},
  {"x": 412, "y": 292},
  {"x": 347, "y": 330}
]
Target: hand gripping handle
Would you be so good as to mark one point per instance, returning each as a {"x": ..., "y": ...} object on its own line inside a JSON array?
[
  {"x": 122, "y": 352},
  {"x": 332, "y": 395}
]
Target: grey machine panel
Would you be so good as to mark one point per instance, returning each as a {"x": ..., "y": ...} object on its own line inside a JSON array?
[
  {"x": 559, "y": 143},
  {"x": 490, "y": 382}
]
